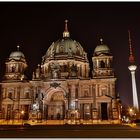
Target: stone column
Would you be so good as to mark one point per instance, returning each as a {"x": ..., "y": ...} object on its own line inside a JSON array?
[
  {"x": 65, "y": 108},
  {"x": 83, "y": 70},
  {"x": 94, "y": 95},
  {"x": 4, "y": 92},
  {"x": 99, "y": 110},
  {"x": 96, "y": 90},
  {"x": 72, "y": 99},
  {"x": 113, "y": 90},
  {"x": 6, "y": 68},
  {"x": 16, "y": 93},
  {"x": 110, "y": 85},
  {"x": 87, "y": 71},
  {"x": 97, "y": 63},
  {"x": 78, "y": 74},
  {"x": 110, "y": 110},
  {"x": 81, "y": 111},
  {"x": 43, "y": 115}
]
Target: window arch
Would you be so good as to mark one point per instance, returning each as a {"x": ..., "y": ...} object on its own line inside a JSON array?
[
  {"x": 10, "y": 95},
  {"x": 102, "y": 64},
  {"x": 27, "y": 95}
]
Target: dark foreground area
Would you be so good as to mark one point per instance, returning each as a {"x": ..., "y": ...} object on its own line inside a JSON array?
[{"x": 69, "y": 131}]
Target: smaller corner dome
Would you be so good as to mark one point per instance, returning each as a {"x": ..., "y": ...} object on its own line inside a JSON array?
[
  {"x": 101, "y": 49},
  {"x": 17, "y": 54}
]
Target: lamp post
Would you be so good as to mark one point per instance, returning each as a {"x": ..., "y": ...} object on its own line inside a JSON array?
[
  {"x": 76, "y": 116},
  {"x": 132, "y": 113},
  {"x": 13, "y": 116},
  {"x": 22, "y": 115}
]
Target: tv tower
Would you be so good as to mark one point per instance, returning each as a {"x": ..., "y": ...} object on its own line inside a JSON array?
[{"x": 132, "y": 67}]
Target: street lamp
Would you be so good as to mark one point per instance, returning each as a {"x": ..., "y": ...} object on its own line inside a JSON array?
[
  {"x": 13, "y": 116},
  {"x": 22, "y": 115},
  {"x": 131, "y": 112}
]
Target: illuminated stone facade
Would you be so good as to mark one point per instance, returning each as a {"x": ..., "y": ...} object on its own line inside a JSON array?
[{"x": 61, "y": 88}]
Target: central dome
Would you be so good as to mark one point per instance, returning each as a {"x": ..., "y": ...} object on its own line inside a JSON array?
[
  {"x": 65, "y": 59},
  {"x": 65, "y": 48}
]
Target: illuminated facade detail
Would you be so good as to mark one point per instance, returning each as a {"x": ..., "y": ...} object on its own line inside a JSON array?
[
  {"x": 132, "y": 67},
  {"x": 61, "y": 88}
]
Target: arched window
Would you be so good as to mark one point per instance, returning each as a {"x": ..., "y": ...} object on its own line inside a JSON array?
[
  {"x": 102, "y": 64},
  {"x": 61, "y": 49},
  {"x": 78, "y": 51},
  {"x": 86, "y": 93},
  {"x": 27, "y": 96},
  {"x": 10, "y": 95},
  {"x": 65, "y": 68},
  {"x": 12, "y": 68}
]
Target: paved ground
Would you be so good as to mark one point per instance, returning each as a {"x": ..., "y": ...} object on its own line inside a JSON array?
[{"x": 69, "y": 131}]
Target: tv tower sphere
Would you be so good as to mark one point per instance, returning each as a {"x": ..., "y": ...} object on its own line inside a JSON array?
[{"x": 132, "y": 68}]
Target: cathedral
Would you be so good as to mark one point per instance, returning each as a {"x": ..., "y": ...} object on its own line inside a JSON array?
[{"x": 61, "y": 88}]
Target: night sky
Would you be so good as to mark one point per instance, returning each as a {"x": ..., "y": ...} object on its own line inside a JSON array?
[{"x": 34, "y": 26}]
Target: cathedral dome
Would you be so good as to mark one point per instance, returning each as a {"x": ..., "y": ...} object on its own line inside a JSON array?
[
  {"x": 65, "y": 48},
  {"x": 102, "y": 49},
  {"x": 17, "y": 54},
  {"x": 64, "y": 59}
]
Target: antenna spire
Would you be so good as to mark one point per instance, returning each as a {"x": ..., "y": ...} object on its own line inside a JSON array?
[
  {"x": 66, "y": 32},
  {"x": 131, "y": 57}
]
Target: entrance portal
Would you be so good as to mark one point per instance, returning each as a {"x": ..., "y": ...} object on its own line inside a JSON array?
[
  {"x": 56, "y": 111},
  {"x": 56, "y": 106},
  {"x": 104, "y": 114},
  {"x": 26, "y": 114}
]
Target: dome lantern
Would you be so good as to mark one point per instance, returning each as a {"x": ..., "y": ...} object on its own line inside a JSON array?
[{"x": 66, "y": 32}]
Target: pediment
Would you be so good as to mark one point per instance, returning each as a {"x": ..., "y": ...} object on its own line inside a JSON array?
[
  {"x": 8, "y": 100},
  {"x": 104, "y": 98}
]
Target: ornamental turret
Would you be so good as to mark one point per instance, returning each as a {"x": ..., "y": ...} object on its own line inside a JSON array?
[
  {"x": 102, "y": 61},
  {"x": 15, "y": 66}
]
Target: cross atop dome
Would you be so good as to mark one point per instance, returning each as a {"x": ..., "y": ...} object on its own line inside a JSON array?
[
  {"x": 66, "y": 32},
  {"x": 66, "y": 25},
  {"x": 101, "y": 40},
  {"x": 18, "y": 47}
]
